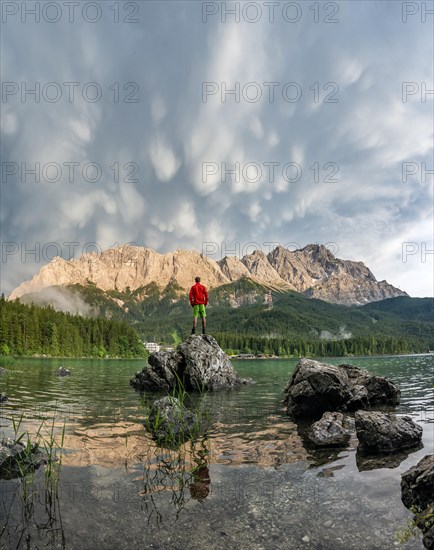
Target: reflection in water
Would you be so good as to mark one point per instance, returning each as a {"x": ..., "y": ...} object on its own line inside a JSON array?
[
  {"x": 391, "y": 460},
  {"x": 126, "y": 444},
  {"x": 183, "y": 473},
  {"x": 251, "y": 463},
  {"x": 270, "y": 446},
  {"x": 30, "y": 513},
  {"x": 107, "y": 445},
  {"x": 199, "y": 490}
]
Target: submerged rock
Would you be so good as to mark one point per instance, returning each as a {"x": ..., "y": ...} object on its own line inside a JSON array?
[
  {"x": 316, "y": 387},
  {"x": 199, "y": 363},
  {"x": 417, "y": 492},
  {"x": 332, "y": 430},
  {"x": 2, "y": 371},
  {"x": 3, "y": 397},
  {"x": 170, "y": 420},
  {"x": 380, "y": 432},
  {"x": 17, "y": 459},
  {"x": 63, "y": 371}
]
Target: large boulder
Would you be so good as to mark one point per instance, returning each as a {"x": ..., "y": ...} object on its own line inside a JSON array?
[
  {"x": 316, "y": 387},
  {"x": 206, "y": 365},
  {"x": 332, "y": 430},
  {"x": 380, "y": 432},
  {"x": 170, "y": 420},
  {"x": 198, "y": 363},
  {"x": 161, "y": 372},
  {"x": 369, "y": 390},
  {"x": 417, "y": 492}
]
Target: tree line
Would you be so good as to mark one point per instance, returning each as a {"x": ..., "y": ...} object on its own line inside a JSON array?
[
  {"x": 234, "y": 343},
  {"x": 33, "y": 330}
]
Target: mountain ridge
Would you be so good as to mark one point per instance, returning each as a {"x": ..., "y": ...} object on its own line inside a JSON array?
[{"x": 312, "y": 270}]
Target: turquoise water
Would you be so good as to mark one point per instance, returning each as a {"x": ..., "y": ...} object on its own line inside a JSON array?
[{"x": 249, "y": 482}]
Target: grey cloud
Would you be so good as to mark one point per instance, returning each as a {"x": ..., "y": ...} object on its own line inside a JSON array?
[{"x": 171, "y": 132}]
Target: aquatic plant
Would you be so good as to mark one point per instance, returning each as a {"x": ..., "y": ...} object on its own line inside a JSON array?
[
  {"x": 53, "y": 451},
  {"x": 43, "y": 449},
  {"x": 422, "y": 521}
]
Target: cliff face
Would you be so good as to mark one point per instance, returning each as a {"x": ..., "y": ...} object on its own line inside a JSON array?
[
  {"x": 316, "y": 272},
  {"x": 312, "y": 270},
  {"x": 128, "y": 266}
]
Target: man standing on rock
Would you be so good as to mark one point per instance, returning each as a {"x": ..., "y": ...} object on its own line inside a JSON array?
[{"x": 199, "y": 301}]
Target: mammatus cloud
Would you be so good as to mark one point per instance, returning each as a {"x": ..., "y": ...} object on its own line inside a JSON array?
[
  {"x": 173, "y": 132},
  {"x": 163, "y": 160}
]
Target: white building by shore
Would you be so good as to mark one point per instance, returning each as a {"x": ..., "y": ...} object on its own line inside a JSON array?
[{"x": 152, "y": 346}]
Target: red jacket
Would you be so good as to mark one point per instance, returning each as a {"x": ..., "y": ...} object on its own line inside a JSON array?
[{"x": 198, "y": 295}]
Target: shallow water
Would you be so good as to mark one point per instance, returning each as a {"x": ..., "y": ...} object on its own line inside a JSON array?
[{"x": 249, "y": 482}]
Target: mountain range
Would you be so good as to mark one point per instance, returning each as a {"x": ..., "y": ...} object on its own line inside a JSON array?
[
  {"x": 313, "y": 271},
  {"x": 319, "y": 304}
]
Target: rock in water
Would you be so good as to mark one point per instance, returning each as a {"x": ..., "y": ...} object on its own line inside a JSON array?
[
  {"x": 2, "y": 371},
  {"x": 206, "y": 365},
  {"x": 332, "y": 430},
  {"x": 369, "y": 390},
  {"x": 417, "y": 490},
  {"x": 63, "y": 371},
  {"x": 17, "y": 458},
  {"x": 380, "y": 432},
  {"x": 170, "y": 420},
  {"x": 199, "y": 363},
  {"x": 160, "y": 374},
  {"x": 3, "y": 397},
  {"x": 315, "y": 388},
  {"x": 417, "y": 484}
]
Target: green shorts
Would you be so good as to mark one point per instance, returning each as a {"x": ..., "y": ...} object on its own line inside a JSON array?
[{"x": 199, "y": 309}]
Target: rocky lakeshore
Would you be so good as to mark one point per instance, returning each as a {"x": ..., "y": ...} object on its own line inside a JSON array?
[
  {"x": 251, "y": 465},
  {"x": 333, "y": 408}
]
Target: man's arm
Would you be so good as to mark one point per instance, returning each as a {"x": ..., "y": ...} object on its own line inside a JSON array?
[
  {"x": 205, "y": 293},
  {"x": 191, "y": 296}
]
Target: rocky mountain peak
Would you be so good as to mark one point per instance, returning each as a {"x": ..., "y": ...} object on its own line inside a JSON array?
[
  {"x": 312, "y": 270},
  {"x": 259, "y": 267},
  {"x": 233, "y": 268}
]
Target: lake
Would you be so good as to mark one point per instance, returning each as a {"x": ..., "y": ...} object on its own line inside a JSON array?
[{"x": 249, "y": 482}]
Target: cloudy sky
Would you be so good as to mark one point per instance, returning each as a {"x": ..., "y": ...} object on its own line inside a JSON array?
[{"x": 188, "y": 125}]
